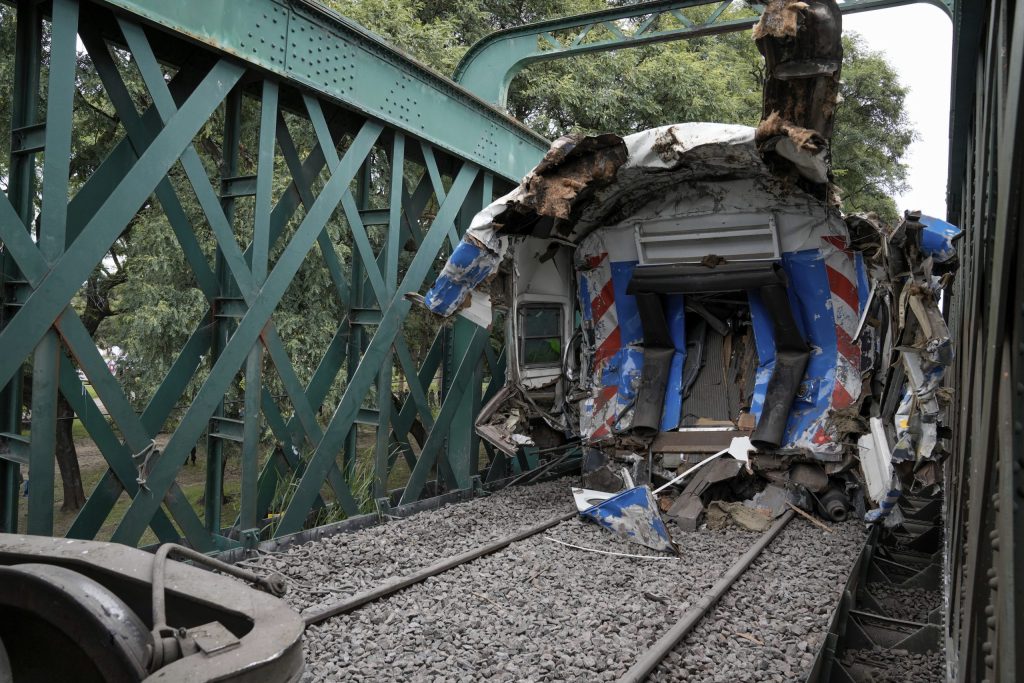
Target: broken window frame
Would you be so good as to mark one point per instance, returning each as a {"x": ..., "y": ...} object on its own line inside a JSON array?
[{"x": 525, "y": 309}]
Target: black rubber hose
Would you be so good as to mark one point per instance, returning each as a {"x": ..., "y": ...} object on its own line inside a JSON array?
[
  {"x": 658, "y": 352},
  {"x": 835, "y": 505},
  {"x": 791, "y": 358}
]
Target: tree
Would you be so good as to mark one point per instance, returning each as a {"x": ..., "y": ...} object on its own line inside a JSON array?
[
  {"x": 873, "y": 132},
  {"x": 717, "y": 78}
]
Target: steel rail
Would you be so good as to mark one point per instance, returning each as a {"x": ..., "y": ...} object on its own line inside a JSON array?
[
  {"x": 316, "y": 616},
  {"x": 650, "y": 659}
]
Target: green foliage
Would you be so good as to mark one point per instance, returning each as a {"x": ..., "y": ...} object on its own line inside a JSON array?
[
  {"x": 716, "y": 78},
  {"x": 873, "y": 132}
]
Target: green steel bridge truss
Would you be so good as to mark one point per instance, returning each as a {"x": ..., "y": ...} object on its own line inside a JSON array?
[
  {"x": 359, "y": 96},
  {"x": 490, "y": 65},
  {"x": 376, "y": 113}
]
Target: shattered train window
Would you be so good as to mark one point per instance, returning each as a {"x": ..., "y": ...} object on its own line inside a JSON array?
[{"x": 540, "y": 335}]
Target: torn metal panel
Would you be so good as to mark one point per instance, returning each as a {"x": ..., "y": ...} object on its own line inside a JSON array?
[
  {"x": 633, "y": 514},
  {"x": 470, "y": 264},
  {"x": 498, "y": 423},
  {"x": 937, "y": 238},
  {"x": 823, "y": 295},
  {"x": 588, "y": 498},
  {"x": 888, "y": 507},
  {"x": 912, "y": 348},
  {"x": 876, "y": 461},
  {"x": 614, "y": 334},
  {"x": 477, "y": 309}
]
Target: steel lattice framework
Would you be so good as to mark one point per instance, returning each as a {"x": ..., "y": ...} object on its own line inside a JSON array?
[
  {"x": 288, "y": 57},
  {"x": 490, "y": 65}
]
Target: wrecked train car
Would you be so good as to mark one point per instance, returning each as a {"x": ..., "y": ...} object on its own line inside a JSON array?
[
  {"x": 693, "y": 289},
  {"x": 667, "y": 292}
]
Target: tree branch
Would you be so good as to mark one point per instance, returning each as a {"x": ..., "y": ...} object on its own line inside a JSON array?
[{"x": 96, "y": 108}]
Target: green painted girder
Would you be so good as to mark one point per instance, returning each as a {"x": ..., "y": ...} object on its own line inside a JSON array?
[
  {"x": 488, "y": 67},
  {"x": 306, "y": 44},
  {"x": 378, "y": 348}
]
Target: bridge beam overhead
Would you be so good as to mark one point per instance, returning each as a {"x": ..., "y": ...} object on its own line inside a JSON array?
[{"x": 491, "y": 64}]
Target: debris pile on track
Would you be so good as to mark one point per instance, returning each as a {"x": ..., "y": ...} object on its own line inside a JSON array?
[
  {"x": 338, "y": 566},
  {"x": 772, "y": 622}
]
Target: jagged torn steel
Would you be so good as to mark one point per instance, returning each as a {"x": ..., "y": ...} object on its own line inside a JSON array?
[{"x": 633, "y": 514}]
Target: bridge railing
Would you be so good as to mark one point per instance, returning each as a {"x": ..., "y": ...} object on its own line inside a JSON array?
[{"x": 391, "y": 163}]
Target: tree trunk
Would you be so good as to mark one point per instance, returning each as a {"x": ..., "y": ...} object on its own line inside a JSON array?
[{"x": 67, "y": 458}]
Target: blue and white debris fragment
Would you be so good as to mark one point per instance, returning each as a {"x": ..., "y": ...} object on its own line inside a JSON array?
[
  {"x": 903, "y": 449},
  {"x": 632, "y": 514}
]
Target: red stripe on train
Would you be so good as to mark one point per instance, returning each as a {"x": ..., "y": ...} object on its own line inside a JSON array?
[
  {"x": 836, "y": 241},
  {"x": 842, "y": 287},
  {"x": 604, "y": 300},
  {"x": 608, "y": 348},
  {"x": 847, "y": 347}
]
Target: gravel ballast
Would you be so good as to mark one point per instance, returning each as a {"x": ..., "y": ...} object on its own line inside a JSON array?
[
  {"x": 541, "y": 611},
  {"x": 537, "y": 611},
  {"x": 909, "y": 604},
  {"x": 338, "y": 566},
  {"x": 772, "y": 622}
]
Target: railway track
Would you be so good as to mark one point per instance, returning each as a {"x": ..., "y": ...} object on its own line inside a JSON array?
[{"x": 527, "y": 605}]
